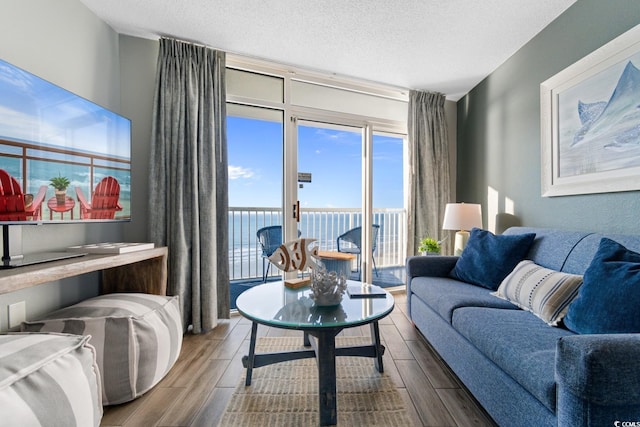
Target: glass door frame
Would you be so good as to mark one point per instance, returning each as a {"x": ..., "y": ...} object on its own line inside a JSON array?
[
  {"x": 290, "y": 180},
  {"x": 376, "y": 117}
]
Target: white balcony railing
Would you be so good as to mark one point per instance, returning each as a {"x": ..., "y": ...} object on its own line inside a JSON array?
[{"x": 323, "y": 224}]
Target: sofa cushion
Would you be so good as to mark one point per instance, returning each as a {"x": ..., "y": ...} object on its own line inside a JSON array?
[
  {"x": 552, "y": 248},
  {"x": 48, "y": 380},
  {"x": 582, "y": 254},
  {"x": 516, "y": 341},
  {"x": 488, "y": 259},
  {"x": 137, "y": 338},
  {"x": 444, "y": 295},
  {"x": 608, "y": 300},
  {"x": 544, "y": 292}
]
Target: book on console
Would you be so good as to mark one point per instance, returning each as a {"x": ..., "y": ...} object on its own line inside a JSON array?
[
  {"x": 111, "y": 248},
  {"x": 365, "y": 291}
]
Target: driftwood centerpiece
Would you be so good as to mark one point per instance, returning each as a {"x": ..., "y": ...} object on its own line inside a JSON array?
[
  {"x": 296, "y": 255},
  {"x": 327, "y": 288}
]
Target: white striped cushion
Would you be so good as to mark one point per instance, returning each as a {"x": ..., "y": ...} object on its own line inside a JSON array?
[
  {"x": 137, "y": 337},
  {"x": 546, "y": 293},
  {"x": 48, "y": 380}
]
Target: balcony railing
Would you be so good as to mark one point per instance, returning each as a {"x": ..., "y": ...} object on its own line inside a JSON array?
[
  {"x": 323, "y": 224},
  {"x": 35, "y": 164}
]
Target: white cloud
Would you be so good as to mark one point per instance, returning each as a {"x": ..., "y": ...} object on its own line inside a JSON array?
[
  {"x": 331, "y": 134},
  {"x": 237, "y": 172}
]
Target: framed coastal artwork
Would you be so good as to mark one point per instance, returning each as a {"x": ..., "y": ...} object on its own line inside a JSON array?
[{"x": 590, "y": 122}]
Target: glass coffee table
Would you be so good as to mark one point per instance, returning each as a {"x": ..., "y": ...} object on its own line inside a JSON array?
[{"x": 275, "y": 305}]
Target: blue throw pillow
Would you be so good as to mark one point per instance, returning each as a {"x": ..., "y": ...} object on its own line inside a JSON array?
[
  {"x": 488, "y": 259},
  {"x": 609, "y": 297}
]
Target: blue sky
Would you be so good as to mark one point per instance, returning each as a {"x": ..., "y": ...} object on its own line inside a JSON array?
[
  {"x": 35, "y": 110},
  {"x": 333, "y": 157}
]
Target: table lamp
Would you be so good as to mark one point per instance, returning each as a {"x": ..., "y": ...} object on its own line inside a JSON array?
[{"x": 462, "y": 217}]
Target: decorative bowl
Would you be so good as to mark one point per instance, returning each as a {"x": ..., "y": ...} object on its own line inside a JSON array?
[{"x": 327, "y": 287}]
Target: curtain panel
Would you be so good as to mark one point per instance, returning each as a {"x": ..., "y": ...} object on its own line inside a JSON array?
[
  {"x": 429, "y": 184},
  {"x": 188, "y": 179}
]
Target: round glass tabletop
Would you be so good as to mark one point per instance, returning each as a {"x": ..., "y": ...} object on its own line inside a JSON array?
[{"x": 276, "y": 305}]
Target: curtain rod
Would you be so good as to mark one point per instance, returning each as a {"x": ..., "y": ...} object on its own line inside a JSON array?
[{"x": 190, "y": 42}]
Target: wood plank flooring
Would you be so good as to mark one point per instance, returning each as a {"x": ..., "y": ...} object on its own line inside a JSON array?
[{"x": 197, "y": 389}]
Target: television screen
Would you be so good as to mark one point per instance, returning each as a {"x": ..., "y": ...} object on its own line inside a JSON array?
[{"x": 62, "y": 157}]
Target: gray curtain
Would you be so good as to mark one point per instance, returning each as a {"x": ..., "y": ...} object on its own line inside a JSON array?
[
  {"x": 429, "y": 185},
  {"x": 188, "y": 179}
]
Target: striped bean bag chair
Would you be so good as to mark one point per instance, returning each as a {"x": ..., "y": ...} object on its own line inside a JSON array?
[
  {"x": 137, "y": 337},
  {"x": 48, "y": 380}
]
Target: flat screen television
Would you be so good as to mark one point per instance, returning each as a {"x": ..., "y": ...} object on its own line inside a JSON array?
[
  {"x": 47, "y": 132},
  {"x": 49, "y": 136}
]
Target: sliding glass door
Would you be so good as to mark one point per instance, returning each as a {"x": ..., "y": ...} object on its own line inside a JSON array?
[
  {"x": 389, "y": 183},
  {"x": 327, "y": 187},
  {"x": 320, "y": 185},
  {"x": 255, "y": 153}
]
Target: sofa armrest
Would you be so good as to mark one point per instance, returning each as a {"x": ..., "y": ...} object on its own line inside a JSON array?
[
  {"x": 598, "y": 379},
  {"x": 430, "y": 266}
]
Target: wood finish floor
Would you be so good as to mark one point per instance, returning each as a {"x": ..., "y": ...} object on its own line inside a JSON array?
[{"x": 197, "y": 389}]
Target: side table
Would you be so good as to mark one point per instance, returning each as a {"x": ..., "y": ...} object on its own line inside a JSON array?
[
  {"x": 339, "y": 262},
  {"x": 53, "y": 206}
]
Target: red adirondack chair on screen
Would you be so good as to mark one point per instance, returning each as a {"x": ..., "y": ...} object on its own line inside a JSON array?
[
  {"x": 34, "y": 211},
  {"x": 104, "y": 201},
  {"x": 11, "y": 199}
]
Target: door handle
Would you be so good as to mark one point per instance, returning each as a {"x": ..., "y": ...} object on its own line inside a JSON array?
[{"x": 296, "y": 211}]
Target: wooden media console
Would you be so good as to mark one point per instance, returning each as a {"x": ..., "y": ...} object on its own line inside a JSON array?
[{"x": 141, "y": 271}]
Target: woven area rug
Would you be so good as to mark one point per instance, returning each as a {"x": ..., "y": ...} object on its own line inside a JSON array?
[{"x": 286, "y": 394}]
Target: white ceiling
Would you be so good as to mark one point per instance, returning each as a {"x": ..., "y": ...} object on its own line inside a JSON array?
[{"x": 447, "y": 46}]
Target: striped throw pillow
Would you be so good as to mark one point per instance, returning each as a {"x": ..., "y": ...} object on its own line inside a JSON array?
[
  {"x": 544, "y": 292},
  {"x": 137, "y": 337},
  {"x": 48, "y": 380}
]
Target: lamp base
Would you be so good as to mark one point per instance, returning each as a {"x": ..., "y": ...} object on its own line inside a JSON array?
[{"x": 461, "y": 241}]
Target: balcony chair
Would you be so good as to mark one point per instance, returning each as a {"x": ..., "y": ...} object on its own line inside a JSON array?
[
  {"x": 351, "y": 241},
  {"x": 34, "y": 211},
  {"x": 104, "y": 201},
  {"x": 270, "y": 239},
  {"x": 11, "y": 199}
]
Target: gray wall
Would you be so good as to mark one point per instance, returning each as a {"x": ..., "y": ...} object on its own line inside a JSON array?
[
  {"x": 66, "y": 44},
  {"x": 138, "y": 58},
  {"x": 499, "y": 127},
  {"x": 450, "y": 112}
]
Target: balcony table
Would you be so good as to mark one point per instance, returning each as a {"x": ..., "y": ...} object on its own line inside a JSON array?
[
  {"x": 339, "y": 262},
  {"x": 53, "y": 206}
]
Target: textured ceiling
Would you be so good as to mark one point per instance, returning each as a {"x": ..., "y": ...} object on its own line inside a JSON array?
[{"x": 447, "y": 46}]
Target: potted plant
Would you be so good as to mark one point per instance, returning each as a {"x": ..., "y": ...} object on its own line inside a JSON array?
[
  {"x": 429, "y": 246},
  {"x": 60, "y": 183}
]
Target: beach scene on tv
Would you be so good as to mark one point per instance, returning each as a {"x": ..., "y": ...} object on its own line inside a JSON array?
[{"x": 62, "y": 157}]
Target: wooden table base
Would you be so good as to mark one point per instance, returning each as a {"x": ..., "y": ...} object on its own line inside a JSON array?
[{"x": 324, "y": 349}]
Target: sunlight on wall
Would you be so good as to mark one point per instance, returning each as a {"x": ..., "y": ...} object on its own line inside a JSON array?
[
  {"x": 509, "y": 206},
  {"x": 493, "y": 207}
]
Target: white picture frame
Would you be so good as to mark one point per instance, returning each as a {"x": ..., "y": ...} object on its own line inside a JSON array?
[{"x": 590, "y": 122}]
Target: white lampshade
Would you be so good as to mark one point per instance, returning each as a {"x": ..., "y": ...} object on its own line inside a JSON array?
[{"x": 461, "y": 217}]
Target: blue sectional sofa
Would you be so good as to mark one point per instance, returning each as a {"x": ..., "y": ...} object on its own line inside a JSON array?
[{"x": 520, "y": 369}]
